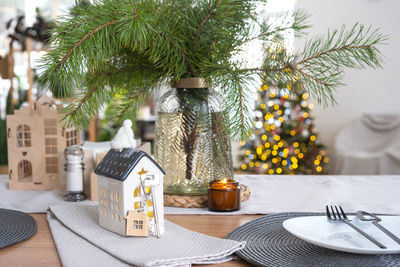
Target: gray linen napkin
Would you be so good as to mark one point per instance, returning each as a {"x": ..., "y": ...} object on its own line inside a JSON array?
[{"x": 80, "y": 241}]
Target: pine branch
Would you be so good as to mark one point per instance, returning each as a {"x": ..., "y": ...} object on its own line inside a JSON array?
[
  {"x": 113, "y": 49},
  {"x": 84, "y": 39},
  {"x": 316, "y": 80},
  {"x": 211, "y": 11},
  {"x": 242, "y": 123},
  {"x": 77, "y": 106},
  {"x": 296, "y": 21}
]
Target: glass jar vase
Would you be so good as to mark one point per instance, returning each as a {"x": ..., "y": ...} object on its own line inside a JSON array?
[{"x": 192, "y": 143}]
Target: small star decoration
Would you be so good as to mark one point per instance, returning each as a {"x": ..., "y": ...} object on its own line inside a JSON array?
[{"x": 142, "y": 172}]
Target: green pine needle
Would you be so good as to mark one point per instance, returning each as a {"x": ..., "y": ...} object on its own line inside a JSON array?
[{"x": 117, "y": 52}]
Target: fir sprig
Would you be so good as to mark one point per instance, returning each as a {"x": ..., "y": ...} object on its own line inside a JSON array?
[
  {"x": 322, "y": 62},
  {"x": 117, "y": 51}
]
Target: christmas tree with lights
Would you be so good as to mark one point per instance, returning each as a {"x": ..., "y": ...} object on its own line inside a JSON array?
[{"x": 284, "y": 140}]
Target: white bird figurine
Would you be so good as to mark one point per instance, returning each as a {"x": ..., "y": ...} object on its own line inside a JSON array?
[{"x": 124, "y": 137}]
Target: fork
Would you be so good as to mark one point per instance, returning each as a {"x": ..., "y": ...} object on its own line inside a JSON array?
[{"x": 338, "y": 215}]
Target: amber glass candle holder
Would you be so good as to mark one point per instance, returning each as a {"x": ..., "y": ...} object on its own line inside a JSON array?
[{"x": 224, "y": 195}]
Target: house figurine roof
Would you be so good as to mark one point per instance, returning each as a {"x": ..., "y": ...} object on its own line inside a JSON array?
[{"x": 118, "y": 165}]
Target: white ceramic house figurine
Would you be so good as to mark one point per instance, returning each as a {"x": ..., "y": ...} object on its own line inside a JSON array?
[{"x": 130, "y": 190}]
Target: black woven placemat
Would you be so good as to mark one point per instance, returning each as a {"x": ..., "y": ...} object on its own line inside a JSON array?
[
  {"x": 15, "y": 226},
  {"x": 269, "y": 244}
]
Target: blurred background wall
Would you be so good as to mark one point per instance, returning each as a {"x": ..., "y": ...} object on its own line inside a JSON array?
[{"x": 365, "y": 91}]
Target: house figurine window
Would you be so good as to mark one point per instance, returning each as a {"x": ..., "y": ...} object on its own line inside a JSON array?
[
  {"x": 50, "y": 127},
  {"x": 137, "y": 224},
  {"x": 71, "y": 137},
  {"x": 23, "y": 136}
]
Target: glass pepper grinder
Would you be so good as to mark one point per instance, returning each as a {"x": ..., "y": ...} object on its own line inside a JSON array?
[{"x": 74, "y": 167}]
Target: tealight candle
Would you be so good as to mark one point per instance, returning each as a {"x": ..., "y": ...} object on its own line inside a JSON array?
[{"x": 224, "y": 195}]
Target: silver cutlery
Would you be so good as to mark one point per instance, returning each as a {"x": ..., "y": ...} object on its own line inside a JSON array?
[
  {"x": 362, "y": 215},
  {"x": 338, "y": 215}
]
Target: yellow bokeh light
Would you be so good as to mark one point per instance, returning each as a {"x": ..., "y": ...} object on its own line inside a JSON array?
[
  {"x": 289, "y": 87},
  {"x": 277, "y": 137},
  {"x": 263, "y": 157},
  {"x": 263, "y": 106},
  {"x": 271, "y": 171},
  {"x": 285, "y": 150},
  {"x": 274, "y": 160},
  {"x": 265, "y": 166},
  {"x": 272, "y": 95},
  {"x": 264, "y": 137},
  {"x": 311, "y": 106},
  {"x": 260, "y": 90},
  {"x": 243, "y": 143},
  {"x": 295, "y": 166},
  {"x": 319, "y": 169},
  {"x": 280, "y": 144},
  {"x": 259, "y": 150},
  {"x": 319, "y": 157},
  {"x": 304, "y": 96},
  {"x": 292, "y": 132},
  {"x": 279, "y": 112},
  {"x": 251, "y": 164},
  {"x": 326, "y": 160},
  {"x": 316, "y": 162},
  {"x": 257, "y": 164},
  {"x": 275, "y": 147},
  {"x": 274, "y": 153},
  {"x": 297, "y": 151},
  {"x": 265, "y": 87},
  {"x": 295, "y": 144},
  {"x": 281, "y": 119},
  {"x": 284, "y": 162},
  {"x": 279, "y": 170},
  {"x": 244, "y": 166},
  {"x": 276, "y": 106},
  {"x": 273, "y": 127},
  {"x": 312, "y": 138},
  {"x": 301, "y": 155},
  {"x": 248, "y": 152},
  {"x": 293, "y": 159},
  {"x": 305, "y": 115},
  {"x": 267, "y": 145}
]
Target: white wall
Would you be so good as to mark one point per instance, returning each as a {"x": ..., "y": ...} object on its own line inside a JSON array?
[{"x": 366, "y": 91}]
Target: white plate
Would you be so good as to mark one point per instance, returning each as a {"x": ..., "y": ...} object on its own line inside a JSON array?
[{"x": 339, "y": 236}]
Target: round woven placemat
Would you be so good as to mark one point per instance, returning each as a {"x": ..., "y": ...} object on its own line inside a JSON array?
[
  {"x": 15, "y": 226},
  {"x": 199, "y": 201},
  {"x": 269, "y": 244}
]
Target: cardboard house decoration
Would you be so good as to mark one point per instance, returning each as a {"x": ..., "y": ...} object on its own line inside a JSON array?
[
  {"x": 36, "y": 139},
  {"x": 130, "y": 192}
]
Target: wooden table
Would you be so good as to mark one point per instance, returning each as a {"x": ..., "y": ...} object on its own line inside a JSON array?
[{"x": 40, "y": 249}]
